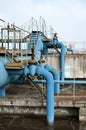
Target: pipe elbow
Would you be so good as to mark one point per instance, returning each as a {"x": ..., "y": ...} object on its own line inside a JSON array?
[
  {"x": 55, "y": 76},
  {"x": 49, "y": 91},
  {"x": 46, "y": 74},
  {"x": 61, "y": 44},
  {"x": 63, "y": 47},
  {"x": 72, "y": 50},
  {"x": 52, "y": 70}
]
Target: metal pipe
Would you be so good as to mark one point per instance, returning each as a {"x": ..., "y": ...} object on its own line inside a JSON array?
[
  {"x": 55, "y": 77},
  {"x": 62, "y": 58},
  {"x": 72, "y": 82},
  {"x": 2, "y": 91},
  {"x": 72, "y": 50},
  {"x": 63, "y": 82},
  {"x": 2, "y": 37},
  {"x": 50, "y": 93},
  {"x": 3, "y": 79},
  {"x": 8, "y": 27},
  {"x": 62, "y": 55},
  {"x": 24, "y": 71},
  {"x": 32, "y": 69},
  {"x": 39, "y": 47},
  {"x": 15, "y": 72}
]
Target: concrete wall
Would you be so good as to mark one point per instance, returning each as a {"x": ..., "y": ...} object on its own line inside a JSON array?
[{"x": 75, "y": 65}]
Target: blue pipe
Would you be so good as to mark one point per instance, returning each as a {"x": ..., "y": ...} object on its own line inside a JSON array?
[
  {"x": 3, "y": 78},
  {"x": 15, "y": 72},
  {"x": 45, "y": 49},
  {"x": 50, "y": 93},
  {"x": 39, "y": 47},
  {"x": 55, "y": 77},
  {"x": 23, "y": 71},
  {"x": 62, "y": 60},
  {"x": 2, "y": 91},
  {"x": 62, "y": 56},
  {"x": 61, "y": 81},
  {"x": 72, "y": 50},
  {"x": 72, "y": 82},
  {"x": 32, "y": 69},
  {"x": 3, "y": 74}
]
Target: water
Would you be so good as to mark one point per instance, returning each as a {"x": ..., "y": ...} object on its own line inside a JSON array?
[{"x": 38, "y": 123}]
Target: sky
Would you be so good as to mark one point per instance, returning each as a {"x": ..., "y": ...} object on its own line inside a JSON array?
[{"x": 67, "y": 17}]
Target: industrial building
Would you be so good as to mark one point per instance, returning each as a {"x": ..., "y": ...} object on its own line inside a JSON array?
[{"x": 52, "y": 71}]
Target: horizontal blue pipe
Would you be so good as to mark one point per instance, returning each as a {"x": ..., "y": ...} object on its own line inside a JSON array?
[
  {"x": 72, "y": 50},
  {"x": 24, "y": 71},
  {"x": 71, "y": 82},
  {"x": 15, "y": 72},
  {"x": 64, "y": 82}
]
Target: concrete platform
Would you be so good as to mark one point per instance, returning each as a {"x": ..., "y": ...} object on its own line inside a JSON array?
[{"x": 25, "y": 99}]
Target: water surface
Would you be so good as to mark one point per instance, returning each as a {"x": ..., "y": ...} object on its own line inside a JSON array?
[{"x": 38, "y": 123}]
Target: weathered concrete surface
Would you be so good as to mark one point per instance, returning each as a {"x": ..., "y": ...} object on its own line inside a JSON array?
[
  {"x": 75, "y": 64},
  {"x": 24, "y": 99},
  {"x": 82, "y": 113}
]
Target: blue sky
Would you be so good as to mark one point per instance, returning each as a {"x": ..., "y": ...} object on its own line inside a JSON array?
[{"x": 67, "y": 17}]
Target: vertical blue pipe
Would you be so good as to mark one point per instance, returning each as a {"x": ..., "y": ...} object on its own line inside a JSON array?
[
  {"x": 62, "y": 62},
  {"x": 2, "y": 91},
  {"x": 55, "y": 76},
  {"x": 62, "y": 59},
  {"x": 39, "y": 47},
  {"x": 32, "y": 69},
  {"x": 45, "y": 49},
  {"x": 3, "y": 78},
  {"x": 50, "y": 93},
  {"x": 62, "y": 56}
]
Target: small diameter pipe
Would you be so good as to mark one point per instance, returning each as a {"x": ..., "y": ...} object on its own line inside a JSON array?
[
  {"x": 63, "y": 82},
  {"x": 72, "y": 50},
  {"x": 55, "y": 77},
  {"x": 49, "y": 92},
  {"x": 72, "y": 82}
]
